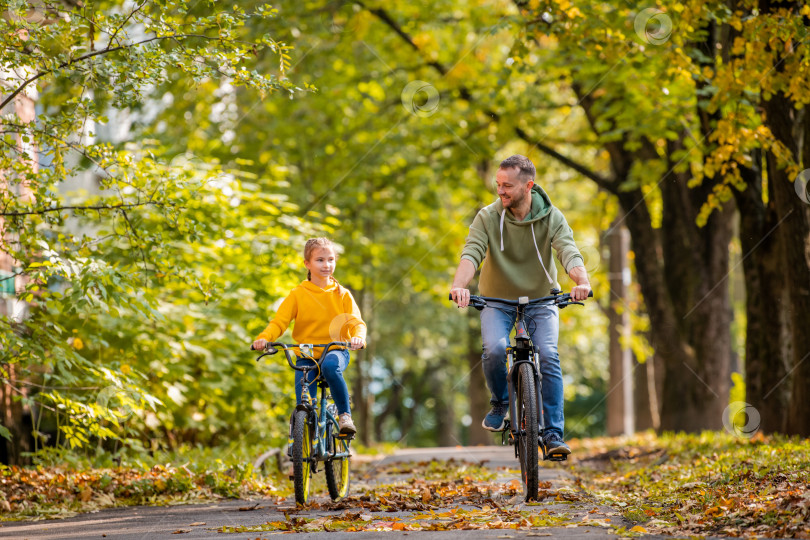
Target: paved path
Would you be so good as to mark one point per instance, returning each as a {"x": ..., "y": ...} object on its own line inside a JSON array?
[{"x": 203, "y": 521}]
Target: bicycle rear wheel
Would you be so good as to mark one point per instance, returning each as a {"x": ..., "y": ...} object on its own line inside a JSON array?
[
  {"x": 527, "y": 422},
  {"x": 301, "y": 454},
  {"x": 337, "y": 469}
]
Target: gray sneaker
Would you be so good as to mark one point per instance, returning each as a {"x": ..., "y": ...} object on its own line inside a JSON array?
[
  {"x": 554, "y": 444},
  {"x": 346, "y": 425},
  {"x": 495, "y": 420}
]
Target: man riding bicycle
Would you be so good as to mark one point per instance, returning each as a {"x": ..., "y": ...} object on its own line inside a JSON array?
[{"x": 513, "y": 238}]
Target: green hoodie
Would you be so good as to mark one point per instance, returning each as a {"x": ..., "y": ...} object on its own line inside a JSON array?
[{"x": 515, "y": 262}]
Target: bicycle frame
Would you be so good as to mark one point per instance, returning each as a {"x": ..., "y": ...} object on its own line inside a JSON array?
[
  {"x": 523, "y": 352},
  {"x": 319, "y": 416}
]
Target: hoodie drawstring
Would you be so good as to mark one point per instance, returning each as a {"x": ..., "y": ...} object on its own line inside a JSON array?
[
  {"x": 503, "y": 212},
  {"x": 538, "y": 256},
  {"x": 534, "y": 238}
]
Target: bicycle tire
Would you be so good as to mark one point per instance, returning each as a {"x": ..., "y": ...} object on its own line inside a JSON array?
[
  {"x": 337, "y": 469},
  {"x": 301, "y": 454},
  {"x": 527, "y": 420}
]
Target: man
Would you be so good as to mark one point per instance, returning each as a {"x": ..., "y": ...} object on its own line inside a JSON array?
[{"x": 513, "y": 238}]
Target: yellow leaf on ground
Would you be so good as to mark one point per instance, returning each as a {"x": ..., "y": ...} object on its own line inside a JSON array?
[{"x": 638, "y": 529}]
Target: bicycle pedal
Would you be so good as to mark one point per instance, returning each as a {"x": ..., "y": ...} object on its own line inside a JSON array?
[
  {"x": 345, "y": 436},
  {"x": 556, "y": 457}
]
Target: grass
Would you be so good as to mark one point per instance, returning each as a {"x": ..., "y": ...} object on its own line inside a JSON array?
[{"x": 711, "y": 483}]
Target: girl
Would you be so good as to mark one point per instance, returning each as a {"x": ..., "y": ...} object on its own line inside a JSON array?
[{"x": 323, "y": 311}]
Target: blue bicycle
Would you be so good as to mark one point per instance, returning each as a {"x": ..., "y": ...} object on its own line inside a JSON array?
[{"x": 314, "y": 433}]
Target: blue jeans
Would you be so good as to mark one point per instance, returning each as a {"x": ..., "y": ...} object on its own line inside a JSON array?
[
  {"x": 543, "y": 323},
  {"x": 332, "y": 369}
]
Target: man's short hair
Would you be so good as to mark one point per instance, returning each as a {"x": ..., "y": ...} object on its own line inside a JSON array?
[{"x": 524, "y": 165}]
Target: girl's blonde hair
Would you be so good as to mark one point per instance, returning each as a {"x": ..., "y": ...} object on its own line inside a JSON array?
[{"x": 313, "y": 244}]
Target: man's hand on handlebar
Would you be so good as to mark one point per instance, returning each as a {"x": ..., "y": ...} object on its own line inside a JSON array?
[
  {"x": 460, "y": 296},
  {"x": 356, "y": 343},
  {"x": 580, "y": 292}
]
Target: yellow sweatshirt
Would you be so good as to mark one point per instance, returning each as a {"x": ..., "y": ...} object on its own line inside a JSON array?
[{"x": 321, "y": 315}]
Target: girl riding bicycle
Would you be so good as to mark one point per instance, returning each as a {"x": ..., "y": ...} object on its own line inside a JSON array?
[{"x": 323, "y": 311}]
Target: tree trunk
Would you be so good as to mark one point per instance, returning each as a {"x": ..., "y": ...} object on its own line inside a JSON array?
[
  {"x": 620, "y": 408},
  {"x": 646, "y": 392},
  {"x": 361, "y": 407},
  {"x": 682, "y": 276},
  {"x": 682, "y": 269},
  {"x": 793, "y": 215},
  {"x": 446, "y": 427},
  {"x": 12, "y": 417},
  {"x": 766, "y": 358}
]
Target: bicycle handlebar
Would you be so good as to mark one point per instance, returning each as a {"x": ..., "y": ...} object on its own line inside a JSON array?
[
  {"x": 560, "y": 300},
  {"x": 272, "y": 348}
]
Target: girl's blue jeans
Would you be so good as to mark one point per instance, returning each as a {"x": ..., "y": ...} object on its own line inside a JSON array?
[
  {"x": 543, "y": 324},
  {"x": 332, "y": 367}
]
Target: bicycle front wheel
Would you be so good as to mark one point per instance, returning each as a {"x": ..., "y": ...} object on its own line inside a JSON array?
[
  {"x": 337, "y": 469},
  {"x": 527, "y": 418},
  {"x": 301, "y": 454}
]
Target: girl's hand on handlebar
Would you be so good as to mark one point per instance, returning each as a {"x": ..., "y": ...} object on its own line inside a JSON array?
[
  {"x": 259, "y": 344},
  {"x": 356, "y": 343}
]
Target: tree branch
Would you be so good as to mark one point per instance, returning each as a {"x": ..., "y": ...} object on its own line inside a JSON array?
[
  {"x": 604, "y": 183},
  {"x": 391, "y": 23},
  {"x": 60, "y": 208},
  {"x": 91, "y": 55}
]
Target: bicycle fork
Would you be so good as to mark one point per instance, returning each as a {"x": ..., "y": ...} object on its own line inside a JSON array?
[{"x": 513, "y": 430}]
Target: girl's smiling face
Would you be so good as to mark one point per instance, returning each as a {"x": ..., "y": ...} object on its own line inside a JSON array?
[{"x": 321, "y": 262}]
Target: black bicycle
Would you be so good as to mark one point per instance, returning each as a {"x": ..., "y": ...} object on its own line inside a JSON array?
[
  {"x": 314, "y": 433},
  {"x": 526, "y": 422}
]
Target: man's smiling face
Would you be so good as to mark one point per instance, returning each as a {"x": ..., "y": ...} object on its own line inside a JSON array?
[{"x": 511, "y": 189}]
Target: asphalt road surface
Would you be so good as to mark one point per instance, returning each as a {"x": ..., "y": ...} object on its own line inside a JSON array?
[{"x": 584, "y": 518}]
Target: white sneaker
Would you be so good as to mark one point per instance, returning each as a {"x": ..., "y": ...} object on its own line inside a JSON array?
[{"x": 346, "y": 425}]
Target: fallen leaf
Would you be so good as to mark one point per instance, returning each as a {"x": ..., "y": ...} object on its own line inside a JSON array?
[
  {"x": 638, "y": 529},
  {"x": 197, "y": 524},
  {"x": 182, "y": 531}
]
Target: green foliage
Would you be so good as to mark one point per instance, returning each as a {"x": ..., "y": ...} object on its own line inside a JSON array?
[
  {"x": 164, "y": 254},
  {"x": 143, "y": 264}
]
